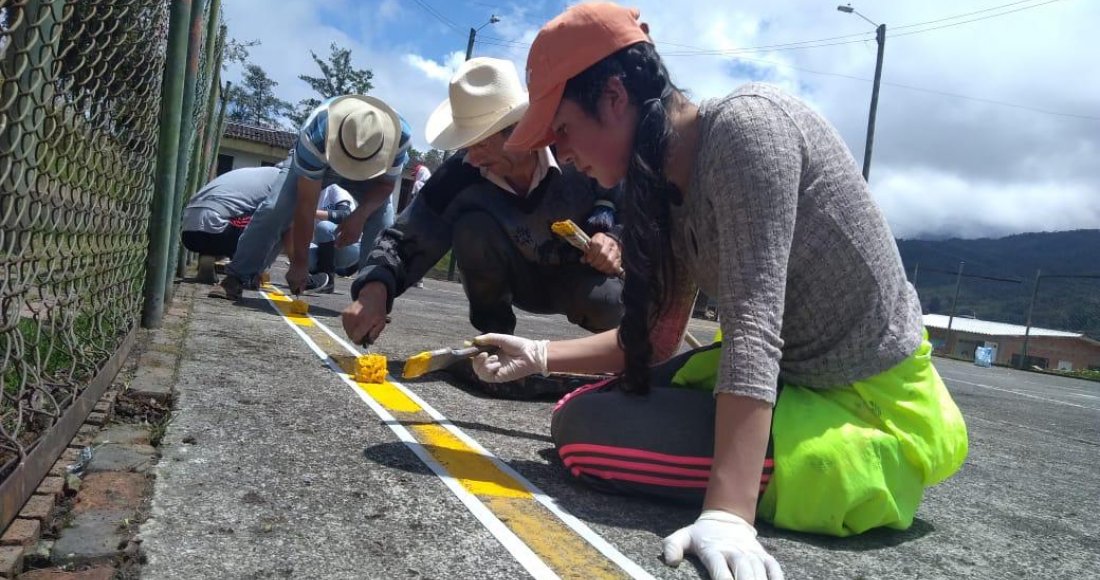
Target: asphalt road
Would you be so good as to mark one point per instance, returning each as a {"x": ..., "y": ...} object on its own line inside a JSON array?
[{"x": 291, "y": 475}]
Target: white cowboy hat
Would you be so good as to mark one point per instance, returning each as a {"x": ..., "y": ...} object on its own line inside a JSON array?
[
  {"x": 363, "y": 137},
  {"x": 485, "y": 97}
]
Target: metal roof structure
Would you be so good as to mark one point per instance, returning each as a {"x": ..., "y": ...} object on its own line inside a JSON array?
[{"x": 989, "y": 328}]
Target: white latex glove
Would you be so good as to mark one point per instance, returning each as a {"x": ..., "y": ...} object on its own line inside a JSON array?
[
  {"x": 727, "y": 546},
  {"x": 516, "y": 358}
]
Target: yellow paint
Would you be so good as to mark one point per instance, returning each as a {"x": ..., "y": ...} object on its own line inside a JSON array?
[
  {"x": 474, "y": 471},
  {"x": 370, "y": 368},
  {"x": 390, "y": 397},
  {"x": 286, "y": 309},
  {"x": 568, "y": 554},
  {"x": 299, "y": 307},
  {"x": 416, "y": 366},
  {"x": 564, "y": 228}
]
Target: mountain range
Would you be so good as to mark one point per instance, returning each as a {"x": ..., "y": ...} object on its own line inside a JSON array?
[{"x": 999, "y": 277}]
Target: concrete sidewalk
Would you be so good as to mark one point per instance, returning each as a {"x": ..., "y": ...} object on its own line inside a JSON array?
[{"x": 272, "y": 467}]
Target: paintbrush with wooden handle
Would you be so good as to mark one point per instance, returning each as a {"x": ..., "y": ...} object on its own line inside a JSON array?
[{"x": 434, "y": 360}]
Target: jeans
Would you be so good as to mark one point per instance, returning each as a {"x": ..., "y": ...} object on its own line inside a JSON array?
[
  {"x": 346, "y": 257},
  {"x": 261, "y": 241},
  {"x": 206, "y": 244}
]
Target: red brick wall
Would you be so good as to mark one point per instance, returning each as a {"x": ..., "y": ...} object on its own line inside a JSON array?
[{"x": 1079, "y": 352}]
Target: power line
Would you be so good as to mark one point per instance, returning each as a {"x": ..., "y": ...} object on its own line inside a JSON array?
[
  {"x": 829, "y": 41},
  {"x": 824, "y": 42},
  {"x": 924, "y": 90},
  {"x": 974, "y": 19},
  {"x": 435, "y": 13},
  {"x": 961, "y": 15}
]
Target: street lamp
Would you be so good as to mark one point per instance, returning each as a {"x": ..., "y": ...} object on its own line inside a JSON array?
[
  {"x": 880, "y": 36},
  {"x": 493, "y": 19}
]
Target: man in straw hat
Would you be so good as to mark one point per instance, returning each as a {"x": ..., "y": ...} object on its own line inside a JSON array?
[
  {"x": 356, "y": 141},
  {"x": 493, "y": 209}
]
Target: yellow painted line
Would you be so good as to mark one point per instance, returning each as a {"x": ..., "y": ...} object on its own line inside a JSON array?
[
  {"x": 547, "y": 541},
  {"x": 552, "y": 539},
  {"x": 473, "y": 470},
  {"x": 390, "y": 397}
]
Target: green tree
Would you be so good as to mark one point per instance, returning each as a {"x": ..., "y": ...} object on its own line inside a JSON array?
[
  {"x": 254, "y": 100},
  {"x": 338, "y": 77},
  {"x": 236, "y": 51},
  {"x": 433, "y": 159}
]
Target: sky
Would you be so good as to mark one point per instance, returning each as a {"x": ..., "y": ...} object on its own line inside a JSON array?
[{"x": 988, "y": 120}]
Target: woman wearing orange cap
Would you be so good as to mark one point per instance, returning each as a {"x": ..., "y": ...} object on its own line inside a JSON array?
[{"x": 821, "y": 410}]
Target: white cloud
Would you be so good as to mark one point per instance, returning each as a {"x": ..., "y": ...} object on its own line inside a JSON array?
[
  {"x": 441, "y": 72},
  {"x": 941, "y": 164}
]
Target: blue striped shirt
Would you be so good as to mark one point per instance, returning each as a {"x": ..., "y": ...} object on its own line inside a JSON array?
[{"x": 309, "y": 151}]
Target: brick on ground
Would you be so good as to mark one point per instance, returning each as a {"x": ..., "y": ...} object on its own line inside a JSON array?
[
  {"x": 52, "y": 485},
  {"x": 124, "y": 434},
  {"x": 38, "y": 507},
  {"x": 95, "y": 573},
  {"x": 152, "y": 383},
  {"x": 68, "y": 457},
  {"x": 22, "y": 532},
  {"x": 11, "y": 561},
  {"x": 97, "y": 418},
  {"x": 84, "y": 436}
]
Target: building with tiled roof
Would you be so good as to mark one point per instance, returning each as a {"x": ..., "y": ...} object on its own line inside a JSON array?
[{"x": 244, "y": 145}]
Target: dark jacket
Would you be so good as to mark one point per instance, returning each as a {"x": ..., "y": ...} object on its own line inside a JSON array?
[{"x": 423, "y": 232}]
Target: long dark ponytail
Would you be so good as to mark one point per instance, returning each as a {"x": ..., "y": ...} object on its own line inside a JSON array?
[{"x": 647, "y": 243}]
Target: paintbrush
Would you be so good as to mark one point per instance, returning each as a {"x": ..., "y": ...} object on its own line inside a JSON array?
[
  {"x": 434, "y": 360},
  {"x": 572, "y": 233}
]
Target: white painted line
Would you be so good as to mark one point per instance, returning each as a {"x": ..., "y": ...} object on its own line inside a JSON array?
[
  {"x": 1028, "y": 395},
  {"x": 594, "y": 539},
  {"x": 511, "y": 542},
  {"x": 1006, "y": 373}
]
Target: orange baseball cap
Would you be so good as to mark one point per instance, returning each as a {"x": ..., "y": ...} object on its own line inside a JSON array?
[{"x": 570, "y": 43}]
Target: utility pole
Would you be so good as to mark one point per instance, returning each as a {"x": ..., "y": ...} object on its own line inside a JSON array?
[
  {"x": 1030, "y": 310},
  {"x": 1031, "y": 307},
  {"x": 954, "y": 303},
  {"x": 880, "y": 37}
]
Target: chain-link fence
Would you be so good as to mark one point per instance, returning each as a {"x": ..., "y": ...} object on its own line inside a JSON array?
[{"x": 81, "y": 128}]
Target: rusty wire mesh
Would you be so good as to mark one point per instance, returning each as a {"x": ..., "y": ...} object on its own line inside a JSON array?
[{"x": 80, "y": 89}]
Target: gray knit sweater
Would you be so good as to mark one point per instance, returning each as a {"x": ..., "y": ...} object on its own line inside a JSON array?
[{"x": 780, "y": 227}]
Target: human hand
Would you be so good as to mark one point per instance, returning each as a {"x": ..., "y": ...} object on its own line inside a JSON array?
[
  {"x": 604, "y": 254},
  {"x": 727, "y": 546},
  {"x": 365, "y": 318},
  {"x": 515, "y": 358},
  {"x": 297, "y": 277}
]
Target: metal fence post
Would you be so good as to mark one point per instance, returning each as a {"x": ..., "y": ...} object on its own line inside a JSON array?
[
  {"x": 211, "y": 63},
  {"x": 212, "y": 108},
  {"x": 219, "y": 130},
  {"x": 33, "y": 71},
  {"x": 171, "y": 104},
  {"x": 187, "y": 133}
]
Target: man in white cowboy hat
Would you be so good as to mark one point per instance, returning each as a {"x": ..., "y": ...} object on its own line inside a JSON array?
[
  {"x": 493, "y": 209},
  {"x": 355, "y": 141}
]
